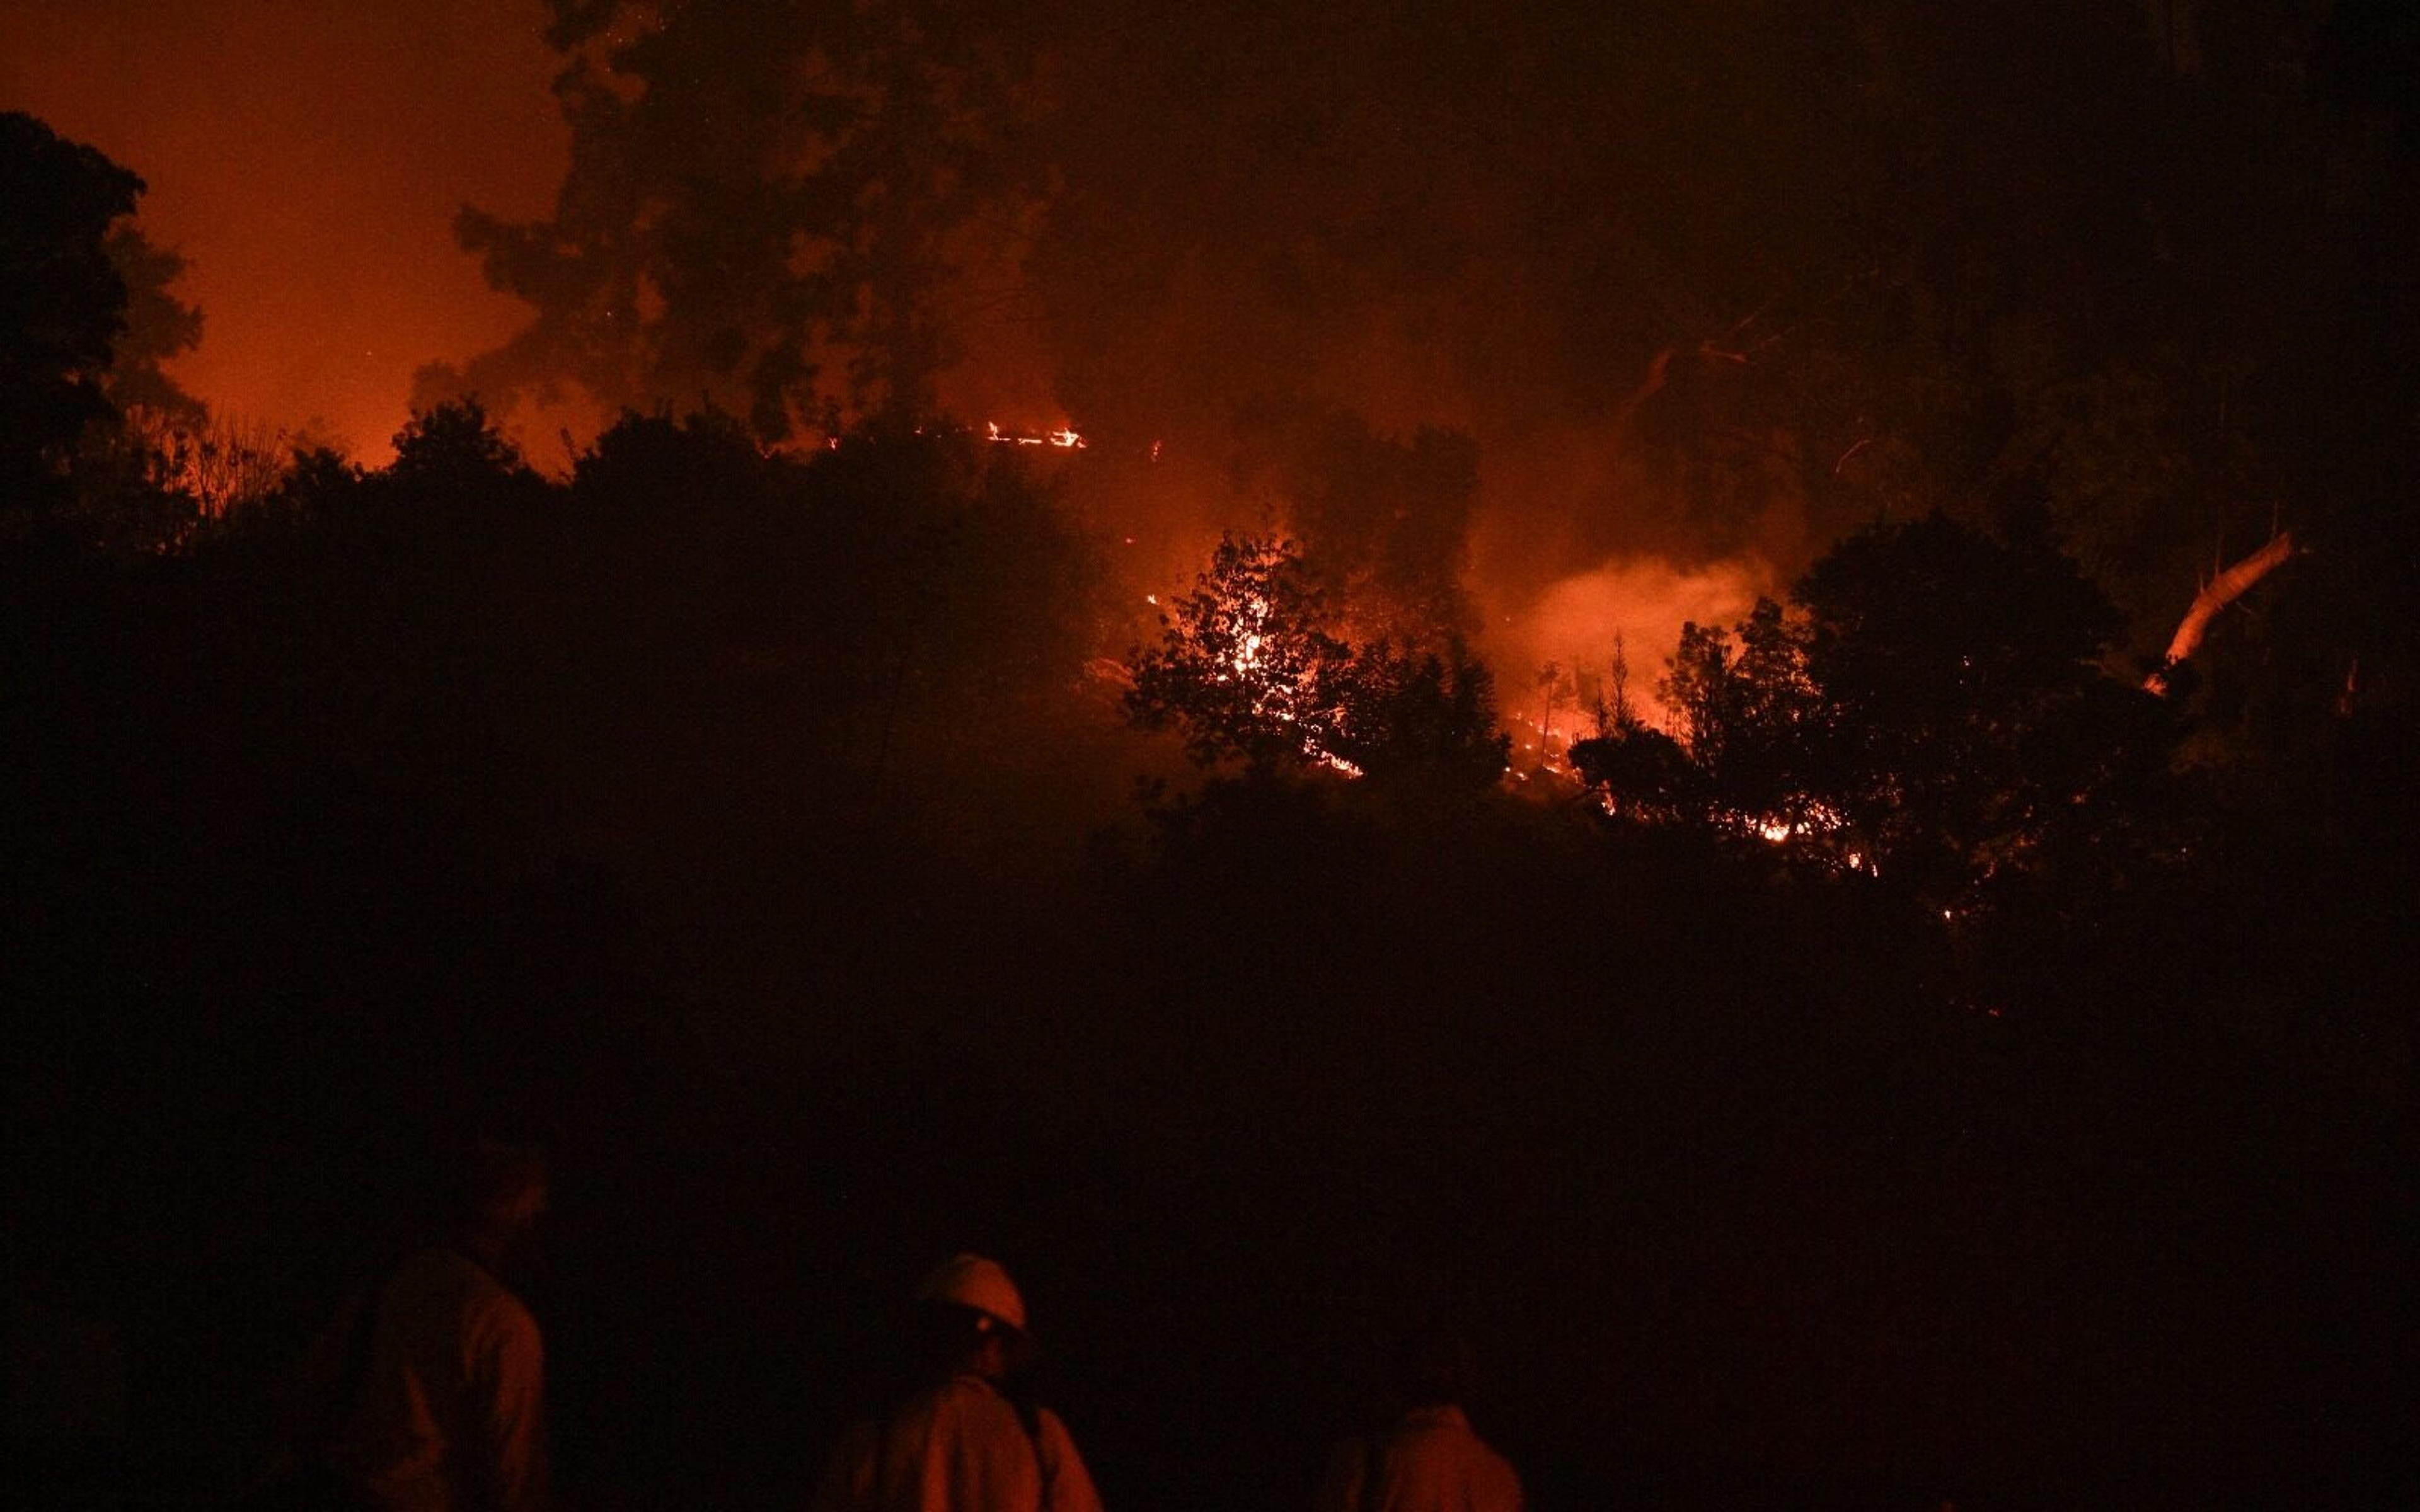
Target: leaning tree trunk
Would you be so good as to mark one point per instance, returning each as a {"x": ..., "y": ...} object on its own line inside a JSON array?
[{"x": 2216, "y": 595}]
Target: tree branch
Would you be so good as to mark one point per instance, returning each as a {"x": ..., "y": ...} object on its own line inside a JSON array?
[{"x": 2221, "y": 591}]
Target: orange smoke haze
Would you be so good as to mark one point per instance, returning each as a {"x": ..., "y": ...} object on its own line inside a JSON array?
[
  {"x": 1645, "y": 600},
  {"x": 308, "y": 160}
]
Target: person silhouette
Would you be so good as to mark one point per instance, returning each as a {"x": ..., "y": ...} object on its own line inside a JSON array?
[
  {"x": 1427, "y": 1457},
  {"x": 427, "y": 1395},
  {"x": 964, "y": 1438}
]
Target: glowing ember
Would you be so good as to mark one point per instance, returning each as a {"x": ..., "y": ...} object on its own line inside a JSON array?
[
  {"x": 1273, "y": 697},
  {"x": 1552, "y": 744},
  {"x": 1814, "y": 823},
  {"x": 1066, "y": 437}
]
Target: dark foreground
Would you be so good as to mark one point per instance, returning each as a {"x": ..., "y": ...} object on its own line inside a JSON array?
[{"x": 819, "y": 936}]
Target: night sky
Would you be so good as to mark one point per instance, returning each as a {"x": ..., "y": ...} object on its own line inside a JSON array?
[{"x": 308, "y": 160}]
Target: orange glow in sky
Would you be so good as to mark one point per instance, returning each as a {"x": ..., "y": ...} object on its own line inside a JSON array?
[{"x": 307, "y": 158}]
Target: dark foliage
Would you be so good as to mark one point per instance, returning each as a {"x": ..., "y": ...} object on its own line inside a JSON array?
[
  {"x": 452, "y": 453},
  {"x": 762, "y": 208},
  {"x": 62, "y": 303},
  {"x": 715, "y": 814},
  {"x": 1752, "y": 715},
  {"x": 1643, "y": 773},
  {"x": 1931, "y": 709},
  {"x": 1962, "y": 706},
  {"x": 1382, "y": 524},
  {"x": 158, "y": 327},
  {"x": 1422, "y": 719},
  {"x": 1248, "y": 669}
]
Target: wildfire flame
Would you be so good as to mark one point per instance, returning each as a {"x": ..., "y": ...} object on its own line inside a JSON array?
[
  {"x": 1066, "y": 437},
  {"x": 1273, "y": 698}
]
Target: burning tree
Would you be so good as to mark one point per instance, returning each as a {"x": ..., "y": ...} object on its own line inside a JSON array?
[
  {"x": 1244, "y": 667},
  {"x": 1248, "y": 670}
]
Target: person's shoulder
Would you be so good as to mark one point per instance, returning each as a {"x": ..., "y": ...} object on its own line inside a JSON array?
[
  {"x": 1449, "y": 1435},
  {"x": 505, "y": 1311},
  {"x": 1429, "y": 1426},
  {"x": 1064, "y": 1473},
  {"x": 1495, "y": 1457},
  {"x": 484, "y": 1304},
  {"x": 444, "y": 1265},
  {"x": 433, "y": 1280},
  {"x": 1051, "y": 1428},
  {"x": 1498, "y": 1470},
  {"x": 1480, "y": 1448}
]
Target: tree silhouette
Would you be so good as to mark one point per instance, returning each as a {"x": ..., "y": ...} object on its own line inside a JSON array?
[
  {"x": 653, "y": 463},
  {"x": 767, "y": 204},
  {"x": 1423, "y": 720},
  {"x": 62, "y": 303},
  {"x": 1643, "y": 773},
  {"x": 1951, "y": 668},
  {"x": 1381, "y": 523},
  {"x": 1246, "y": 667},
  {"x": 158, "y": 327},
  {"x": 1931, "y": 704},
  {"x": 452, "y": 450},
  {"x": 1747, "y": 712}
]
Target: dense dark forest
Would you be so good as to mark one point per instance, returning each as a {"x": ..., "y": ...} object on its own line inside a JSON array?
[{"x": 1939, "y": 1038}]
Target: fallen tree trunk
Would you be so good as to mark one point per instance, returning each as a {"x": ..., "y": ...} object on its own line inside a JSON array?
[{"x": 2216, "y": 595}]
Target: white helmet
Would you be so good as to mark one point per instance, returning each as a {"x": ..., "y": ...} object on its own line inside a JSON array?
[{"x": 971, "y": 1281}]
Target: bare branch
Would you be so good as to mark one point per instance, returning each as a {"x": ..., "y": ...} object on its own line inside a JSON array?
[{"x": 2223, "y": 589}]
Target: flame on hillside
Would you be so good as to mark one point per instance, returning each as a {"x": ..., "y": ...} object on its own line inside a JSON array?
[
  {"x": 1574, "y": 624},
  {"x": 1274, "y": 696},
  {"x": 1066, "y": 437}
]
